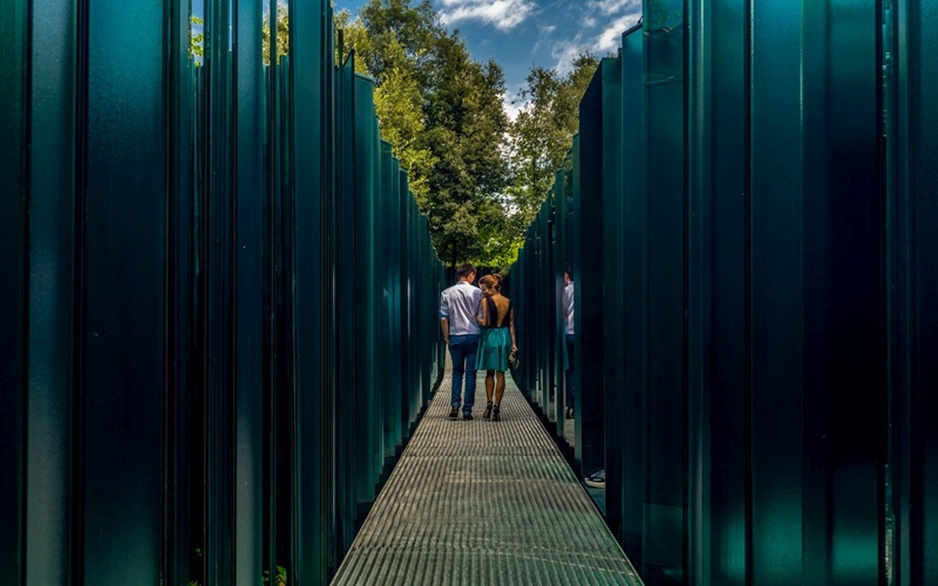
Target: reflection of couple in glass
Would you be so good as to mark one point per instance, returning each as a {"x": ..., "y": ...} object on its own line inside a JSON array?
[{"x": 479, "y": 328}]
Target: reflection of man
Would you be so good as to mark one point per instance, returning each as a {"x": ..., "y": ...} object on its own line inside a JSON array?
[
  {"x": 568, "y": 337},
  {"x": 459, "y": 307}
]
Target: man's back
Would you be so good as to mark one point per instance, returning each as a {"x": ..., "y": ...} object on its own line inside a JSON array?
[{"x": 459, "y": 305}]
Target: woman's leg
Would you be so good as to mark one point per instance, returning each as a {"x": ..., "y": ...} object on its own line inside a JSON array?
[
  {"x": 490, "y": 384},
  {"x": 499, "y": 387}
]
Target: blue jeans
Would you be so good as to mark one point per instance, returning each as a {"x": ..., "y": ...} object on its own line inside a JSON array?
[
  {"x": 568, "y": 340},
  {"x": 462, "y": 349}
]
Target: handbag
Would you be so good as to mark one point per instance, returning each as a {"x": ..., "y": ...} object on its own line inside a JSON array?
[{"x": 513, "y": 361}]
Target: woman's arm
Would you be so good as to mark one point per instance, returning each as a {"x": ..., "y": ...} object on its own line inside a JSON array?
[{"x": 511, "y": 328}]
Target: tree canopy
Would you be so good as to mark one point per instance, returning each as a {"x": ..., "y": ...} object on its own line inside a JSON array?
[{"x": 478, "y": 176}]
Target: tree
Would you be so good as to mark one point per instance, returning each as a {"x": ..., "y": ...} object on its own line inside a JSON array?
[
  {"x": 444, "y": 113},
  {"x": 541, "y": 135},
  {"x": 283, "y": 33}
]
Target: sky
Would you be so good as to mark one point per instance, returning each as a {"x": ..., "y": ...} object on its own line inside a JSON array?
[{"x": 520, "y": 33}]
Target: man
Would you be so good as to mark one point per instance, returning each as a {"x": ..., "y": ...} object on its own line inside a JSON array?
[
  {"x": 460, "y": 305},
  {"x": 568, "y": 338}
]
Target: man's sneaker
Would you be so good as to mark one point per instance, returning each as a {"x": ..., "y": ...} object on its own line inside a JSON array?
[
  {"x": 596, "y": 480},
  {"x": 467, "y": 416},
  {"x": 454, "y": 413}
]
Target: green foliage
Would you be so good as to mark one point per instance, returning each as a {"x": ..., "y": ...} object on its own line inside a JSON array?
[
  {"x": 444, "y": 114},
  {"x": 283, "y": 33},
  {"x": 541, "y": 135},
  {"x": 196, "y": 39}
]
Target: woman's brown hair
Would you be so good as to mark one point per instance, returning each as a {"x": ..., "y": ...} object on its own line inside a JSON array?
[{"x": 493, "y": 281}]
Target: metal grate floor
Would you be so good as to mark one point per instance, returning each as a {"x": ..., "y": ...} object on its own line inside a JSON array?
[{"x": 483, "y": 502}]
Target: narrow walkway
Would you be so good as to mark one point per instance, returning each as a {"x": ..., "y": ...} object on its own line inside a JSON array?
[{"x": 482, "y": 502}]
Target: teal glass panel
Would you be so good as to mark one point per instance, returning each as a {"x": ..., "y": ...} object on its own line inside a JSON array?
[
  {"x": 776, "y": 301},
  {"x": 345, "y": 492},
  {"x": 217, "y": 254},
  {"x": 843, "y": 304},
  {"x": 180, "y": 355},
  {"x": 717, "y": 284},
  {"x": 14, "y": 59},
  {"x": 663, "y": 546},
  {"x": 614, "y": 287},
  {"x": 122, "y": 260},
  {"x": 249, "y": 298},
  {"x": 633, "y": 230},
  {"x": 588, "y": 268},
  {"x": 52, "y": 284},
  {"x": 311, "y": 51},
  {"x": 910, "y": 37},
  {"x": 922, "y": 23},
  {"x": 367, "y": 184}
]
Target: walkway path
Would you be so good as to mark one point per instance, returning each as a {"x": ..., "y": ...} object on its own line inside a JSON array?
[{"x": 483, "y": 502}]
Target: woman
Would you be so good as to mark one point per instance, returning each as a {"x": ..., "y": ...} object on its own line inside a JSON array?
[{"x": 498, "y": 339}]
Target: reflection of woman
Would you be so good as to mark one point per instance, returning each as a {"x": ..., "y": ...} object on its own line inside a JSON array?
[{"x": 498, "y": 339}]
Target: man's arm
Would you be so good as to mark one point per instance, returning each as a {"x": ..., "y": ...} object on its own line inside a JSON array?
[{"x": 444, "y": 325}]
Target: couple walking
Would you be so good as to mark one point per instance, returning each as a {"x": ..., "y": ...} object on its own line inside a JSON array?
[{"x": 478, "y": 326}]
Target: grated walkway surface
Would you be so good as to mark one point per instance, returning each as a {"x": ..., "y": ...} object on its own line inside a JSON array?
[{"x": 483, "y": 502}]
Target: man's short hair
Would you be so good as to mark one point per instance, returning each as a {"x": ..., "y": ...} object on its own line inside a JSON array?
[{"x": 464, "y": 270}]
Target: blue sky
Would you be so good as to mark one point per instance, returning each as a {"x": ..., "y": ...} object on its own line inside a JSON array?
[{"x": 520, "y": 33}]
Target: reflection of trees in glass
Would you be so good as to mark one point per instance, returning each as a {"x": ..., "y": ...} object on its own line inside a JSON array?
[{"x": 663, "y": 14}]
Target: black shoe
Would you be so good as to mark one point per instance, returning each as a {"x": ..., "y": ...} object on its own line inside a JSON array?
[
  {"x": 454, "y": 414},
  {"x": 467, "y": 417},
  {"x": 496, "y": 413},
  {"x": 569, "y": 414},
  {"x": 488, "y": 411}
]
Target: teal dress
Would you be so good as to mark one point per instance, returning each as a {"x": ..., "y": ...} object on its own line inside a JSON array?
[{"x": 495, "y": 341}]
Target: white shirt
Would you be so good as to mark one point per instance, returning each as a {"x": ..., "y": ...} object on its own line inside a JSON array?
[
  {"x": 459, "y": 305},
  {"x": 568, "y": 308}
]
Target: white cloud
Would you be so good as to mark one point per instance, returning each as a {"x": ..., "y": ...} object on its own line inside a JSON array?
[
  {"x": 564, "y": 52},
  {"x": 616, "y": 17},
  {"x": 503, "y": 14},
  {"x": 608, "y": 7},
  {"x": 513, "y": 104},
  {"x": 609, "y": 40}
]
